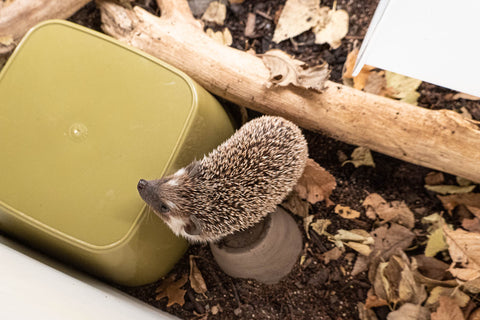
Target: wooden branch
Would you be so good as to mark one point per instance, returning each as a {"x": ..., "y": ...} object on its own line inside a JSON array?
[
  {"x": 19, "y": 16},
  {"x": 441, "y": 140}
]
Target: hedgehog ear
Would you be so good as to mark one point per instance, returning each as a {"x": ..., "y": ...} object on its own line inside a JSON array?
[
  {"x": 194, "y": 226},
  {"x": 193, "y": 168}
]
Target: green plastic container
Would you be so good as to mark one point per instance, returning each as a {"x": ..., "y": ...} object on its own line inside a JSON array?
[{"x": 82, "y": 119}]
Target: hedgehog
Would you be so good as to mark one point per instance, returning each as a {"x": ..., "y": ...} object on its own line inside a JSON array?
[{"x": 233, "y": 187}]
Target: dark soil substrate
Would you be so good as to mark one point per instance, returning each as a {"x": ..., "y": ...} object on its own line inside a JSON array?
[{"x": 313, "y": 290}]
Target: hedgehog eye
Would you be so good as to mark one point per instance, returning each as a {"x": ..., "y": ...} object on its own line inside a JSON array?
[{"x": 163, "y": 208}]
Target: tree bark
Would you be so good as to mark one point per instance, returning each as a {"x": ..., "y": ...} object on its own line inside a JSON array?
[
  {"x": 20, "y": 15},
  {"x": 441, "y": 140}
]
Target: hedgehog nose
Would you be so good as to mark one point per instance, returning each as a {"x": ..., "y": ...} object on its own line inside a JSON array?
[{"x": 142, "y": 184}]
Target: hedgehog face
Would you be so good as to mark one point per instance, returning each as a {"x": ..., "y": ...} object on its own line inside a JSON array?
[{"x": 166, "y": 197}]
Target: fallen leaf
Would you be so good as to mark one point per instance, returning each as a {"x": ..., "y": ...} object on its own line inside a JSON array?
[
  {"x": 359, "y": 81},
  {"x": 464, "y": 247},
  {"x": 475, "y": 315},
  {"x": 403, "y": 87},
  {"x": 361, "y": 156},
  {"x": 223, "y": 37},
  {"x": 472, "y": 286},
  {"x": 388, "y": 240},
  {"x": 316, "y": 184},
  {"x": 409, "y": 311},
  {"x": 216, "y": 12},
  {"x": 361, "y": 265},
  {"x": 198, "y": 7},
  {"x": 196, "y": 279},
  {"x": 436, "y": 243},
  {"x": 172, "y": 290},
  {"x": 332, "y": 29},
  {"x": 395, "y": 211},
  {"x": 467, "y": 199},
  {"x": 296, "y": 205},
  {"x": 461, "y": 299},
  {"x": 430, "y": 267},
  {"x": 450, "y": 189},
  {"x": 364, "y": 313},
  {"x": 463, "y": 182},
  {"x": 434, "y": 220},
  {"x": 373, "y": 301},
  {"x": 465, "y": 96},
  {"x": 448, "y": 310},
  {"x": 346, "y": 212},
  {"x": 472, "y": 225},
  {"x": 297, "y": 17},
  {"x": 434, "y": 178},
  {"x": 320, "y": 226},
  {"x": 376, "y": 83},
  {"x": 357, "y": 239},
  {"x": 307, "y": 221},
  {"x": 332, "y": 254},
  {"x": 285, "y": 70}
]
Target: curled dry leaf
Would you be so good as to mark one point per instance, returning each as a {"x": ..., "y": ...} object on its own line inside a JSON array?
[
  {"x": 171, "y": 289},
  {"x": 388, "y": 240},
  {"x": 320, "y": 226},
  {"x": 196, "y": 279},
  {"x": 461, "y": 298},
  {"x": 434, "y": 178},
  {"x": 361, "y": 156},
  {"x": 285, "y": 70},
  {"x": 464, "y": 248},
  {"x": 395, "y": 211},
  {"x": 223, "y": 37},
  {"x": 297, "y": 17},
  {"x": 467, "y": 199},
  {"x": 447, "y": 310},
  {"x": 360, "y": 80},
  {"x": 216, "y": 13},
  {"x": 332, "y": 28},
  {"x": 402, "y": 87},
  {"x": 332, "y": 254},
  {"x": 316, "y": 184},
  {"x": 430, "y": 267},
  {"x": 296, "y": 205},
  {"x": 365, "y": 313},
  {"x": 409, "y": 311},
  {"x": 373, "y": 301},
  {"x": 346, "y": 212},
  {"x": 450, "y": 189}
]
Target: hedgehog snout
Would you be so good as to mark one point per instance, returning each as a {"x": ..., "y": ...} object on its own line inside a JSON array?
[
  {"x": 142, "y": 184},
  {"x": 147, "y": 191}
]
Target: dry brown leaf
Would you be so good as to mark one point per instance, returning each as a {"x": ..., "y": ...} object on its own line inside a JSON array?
[
  {"x": 320, "y": 226},
  {"x": 472, "y": 225},
  {"x": 430, "y": 267},
  {"x": 464, "y": 247},
  {"x": 359, "y": 81},
  {"x": 389, "y": 240},
  {"x": 467, "y": 199},
  {"x": 172, "y": 290},
  {"x": 376, "y": 84},
  {"x": 216, "y": 13},
  {"x": 332, "y": 27},
  {"x": 460, "y": 297},
  {"x": 373, "y": 301},
  {"x": 434, "y": 178},
  {"x": 316, "y": 184},
  {"x": 402, "y": 87},
  {"x": 364, "y": 313},
  {"x": 331, "y": 255},
  {"x": 284, "y": 70},
  {"x": 346, "y": 212},
  {"x": 297, "y": 17},
  {"x": 223, "y": 37},
  {"x": 361, "y": 156},
  {"x": 196, "y": 279},
  {"x": 475, "y": 315},
  {"x": 395, "y": 211},
  {"x": 448, "y": 310},
  {"x": 409, "y": 311},
  {"x": 296, "y": 205},
  {"x": 472, "y": 286},
  {"x": 249, "y": 30},
  {"x": 450, "y": 189}
]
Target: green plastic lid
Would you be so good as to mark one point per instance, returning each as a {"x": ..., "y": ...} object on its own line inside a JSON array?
[{"x": 79, "y": 129}]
